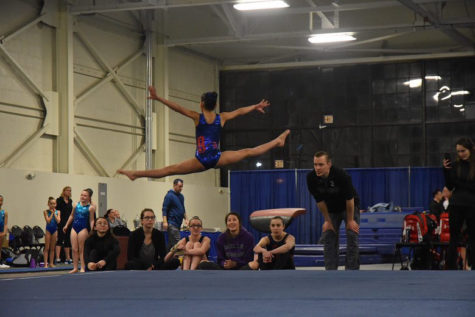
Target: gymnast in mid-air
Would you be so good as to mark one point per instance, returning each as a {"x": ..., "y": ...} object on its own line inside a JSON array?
[{"x": 208, "y": 131}]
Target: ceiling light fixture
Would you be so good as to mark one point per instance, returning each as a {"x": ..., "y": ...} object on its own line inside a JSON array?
[
  {"x": 460, "y": 92},
  {"x": 260, "y": 5},
  {"x": 433, "y": 77},
  {"x": 414, "y": 83},
  {"x": 458, "y": 106},
  {"x": 331, "y": 37},
  {"x": 462, "y": 109}
]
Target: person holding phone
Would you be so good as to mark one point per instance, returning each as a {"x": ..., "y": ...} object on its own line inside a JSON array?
[{"x": 460, "y": 179}]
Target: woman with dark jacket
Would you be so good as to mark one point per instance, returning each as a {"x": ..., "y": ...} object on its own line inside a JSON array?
[
  {"x": 460, "y": 179},
  {"x": 147, "y": 250},
  {"x": 101, "y": 249}
]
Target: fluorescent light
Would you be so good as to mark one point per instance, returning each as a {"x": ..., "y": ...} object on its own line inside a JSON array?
[
  {"x": 433, "y": 77},
  {"x": 458, "y": 106},
  {"x": 331, "y": 37},
  {"x": 462, "y": 109},
  {"x": 414, "y": 83},
  {"x": 258, "y": 164},
  {"x": 261, "y": 5},
  {"x": 460, "y": 92}
]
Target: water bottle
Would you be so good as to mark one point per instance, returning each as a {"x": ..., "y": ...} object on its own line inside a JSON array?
[
  {"x": 419, "y": 233},
  {"x": 136, "y": 222}
]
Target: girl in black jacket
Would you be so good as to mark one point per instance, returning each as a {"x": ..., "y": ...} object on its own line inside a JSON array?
[
  {"x": 460, "y": 178},
  {"x": 146, "y": 249},
  {"x": 101, "y": 249}
]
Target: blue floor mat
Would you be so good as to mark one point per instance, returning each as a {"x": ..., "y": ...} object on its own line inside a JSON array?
[{"x": 242, "y": 293}]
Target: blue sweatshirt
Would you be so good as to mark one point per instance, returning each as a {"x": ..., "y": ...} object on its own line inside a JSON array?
[
  {"x": 239, "y": 249},
  {"x": 174, "y": 208}
]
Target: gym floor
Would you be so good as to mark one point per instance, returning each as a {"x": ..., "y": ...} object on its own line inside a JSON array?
[{"x": 372, "y": 291}]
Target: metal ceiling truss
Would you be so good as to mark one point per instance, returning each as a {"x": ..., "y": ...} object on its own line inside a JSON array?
[
  {"x": 435, "y": 21},
  {"x": 89, "y": 154},
  {"x": 393, "y": 28},
  {"x": 328, "y": 15},
  {"x": 163, "y": 4},
  {"x": 112, "y": 74},
  {"x": 30, "y": 84}
]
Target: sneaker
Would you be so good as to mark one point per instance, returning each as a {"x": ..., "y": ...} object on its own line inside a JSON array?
[
  {"x": 68, "y": 261},
  {"x": 4, "y": 266}
]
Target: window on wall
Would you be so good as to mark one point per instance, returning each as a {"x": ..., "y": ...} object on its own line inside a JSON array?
[{"x": 384, "y": 115}]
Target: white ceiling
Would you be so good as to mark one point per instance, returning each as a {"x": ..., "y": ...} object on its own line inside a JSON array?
[{"x": 385, "y": 29}]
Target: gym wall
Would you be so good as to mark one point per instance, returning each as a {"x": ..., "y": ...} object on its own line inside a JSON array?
[{"x": 66, "y": 117}]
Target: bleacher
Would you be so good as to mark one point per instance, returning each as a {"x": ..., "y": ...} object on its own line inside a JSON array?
[{"x": 379, "y": 233}]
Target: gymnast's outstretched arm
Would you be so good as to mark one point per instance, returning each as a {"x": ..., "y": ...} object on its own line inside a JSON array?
[
  {"x": 225, "y": 116},
  {"x": 173, "y": 105}
]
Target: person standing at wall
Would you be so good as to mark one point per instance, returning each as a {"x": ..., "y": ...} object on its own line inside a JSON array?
[
  {"x": 173, "y": 212},
  {"x": 338, "y": 201},
  {"x": 65, "y": 205},
  {"x": 436, "y": 207},
  {"x": 460, "y": 179},
  {"x": 446, "y": 194},
  {"x": 3, "y": 230}
]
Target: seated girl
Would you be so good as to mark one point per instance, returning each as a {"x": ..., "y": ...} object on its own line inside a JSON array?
[
  {"x": 101, "y": 249},
  {"x": 195, "y": 247},
  {"x": 275, "y": 251},
  {"x": 234, "y": 247},
  {"x": 147, "y": 250}
]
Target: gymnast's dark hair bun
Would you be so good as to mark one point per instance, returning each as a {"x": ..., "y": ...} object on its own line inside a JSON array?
[
  {"x": 209, "y": 99},
  {"x": 90, "y": 191}
]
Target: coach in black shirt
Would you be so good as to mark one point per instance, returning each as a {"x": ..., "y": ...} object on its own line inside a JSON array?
[{"x": 338, "y": 201}]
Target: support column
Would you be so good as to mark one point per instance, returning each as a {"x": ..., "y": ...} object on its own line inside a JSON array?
[
  {"x": 64, "y": 143},
  {"x": 148, "y": 107},
  {"x": 161, "y": 156}
]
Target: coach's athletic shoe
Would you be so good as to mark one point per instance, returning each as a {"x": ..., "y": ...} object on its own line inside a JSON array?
[{"x": 4, "y": 266}]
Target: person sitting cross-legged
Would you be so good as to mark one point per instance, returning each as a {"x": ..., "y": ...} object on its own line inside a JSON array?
[{"x": 275, "y": 251}]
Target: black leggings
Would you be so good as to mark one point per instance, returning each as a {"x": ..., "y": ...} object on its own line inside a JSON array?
[
  {"x": 283, "y": 261},
  {"x": 93, "y": 257},
  {"x": 138, "y": 264},
  {"x": 457, "y": 216}
]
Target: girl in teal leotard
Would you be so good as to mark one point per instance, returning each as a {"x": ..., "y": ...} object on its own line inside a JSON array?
[
  {"x": 52, "y": 217},
  {"x": 82, "y": 213}
]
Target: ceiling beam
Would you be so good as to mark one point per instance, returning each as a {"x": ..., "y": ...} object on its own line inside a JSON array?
[
  {"x": 160, "y": 4},
  {"x": 347, "y": 61},
  {"x": 366, "y": 50},
  {"x": 226, "y": 15},
  {"x": 396, "y": 28},
  {"x": 434, "y": 20}
]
